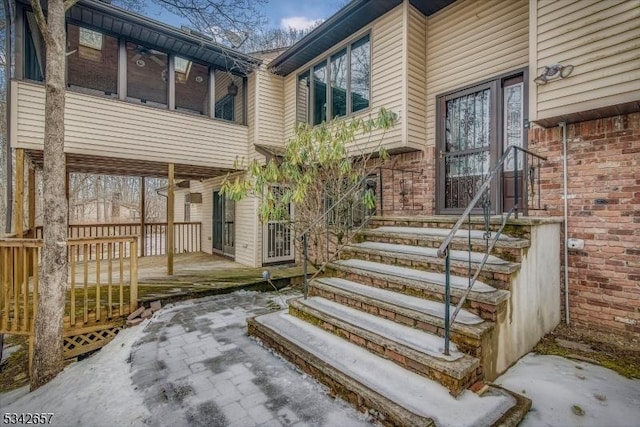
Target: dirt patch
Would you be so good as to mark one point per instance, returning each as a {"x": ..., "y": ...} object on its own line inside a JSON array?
[
  {"x": 14, "y": 371},
  {"x": 621, "y": 354}
]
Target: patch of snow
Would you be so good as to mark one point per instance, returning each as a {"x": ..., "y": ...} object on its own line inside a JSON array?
[
  {"x": 413, "y": 274},
  {"x": 410, "y": 337},
  {"x": 96, "y": 391},
  {"x": 437, "y": 232},
  {"x": 8, "y": 351},
  {"x": 560, "y": 388},
  {"x": 433, "y": 308},
  {"x": 429, "y": 252},
  {"x": 412, "y": 391}
]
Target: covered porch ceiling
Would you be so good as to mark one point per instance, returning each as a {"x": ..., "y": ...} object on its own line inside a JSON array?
[{"x": 80, "y": 163}]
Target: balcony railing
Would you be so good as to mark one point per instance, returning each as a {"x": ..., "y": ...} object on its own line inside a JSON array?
[{"x": 187, "y": 237}]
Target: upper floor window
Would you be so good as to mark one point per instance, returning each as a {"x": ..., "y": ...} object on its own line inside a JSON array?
[
  {"x": 92, "y": 61},
  {"x": 192, "y": 86},
  {"x": 147, "y": 77},
  {"x": 337, "y": 86}
]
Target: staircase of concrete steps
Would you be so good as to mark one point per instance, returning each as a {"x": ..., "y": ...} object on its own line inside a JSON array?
[{"x": 383, "y": 298}]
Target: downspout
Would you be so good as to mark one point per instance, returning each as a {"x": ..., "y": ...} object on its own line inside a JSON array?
[
  {"x": 563, "y": 125},
  {"x": 8, "y": 57}
]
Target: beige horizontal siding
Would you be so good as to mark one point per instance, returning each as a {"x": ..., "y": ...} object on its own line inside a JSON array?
[
  {"x": 270, "y": 115},
  {"x": 416, "y": 77},
  {"x": 248, "y": 227},
  {"x": 387, "y": 80},
  {"x": 601, "y": 39},
  {"x": 472, "y": 41},
  {"x": 107, "y": 127}
]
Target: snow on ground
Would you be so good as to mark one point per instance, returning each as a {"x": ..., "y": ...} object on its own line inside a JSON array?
[
  {"x": 96, "y": 391},
  {"x": 99, "y": 390},
  {"x": 567, "y": 393}
]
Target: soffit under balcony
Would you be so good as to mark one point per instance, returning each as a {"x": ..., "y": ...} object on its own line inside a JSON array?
[{"x": 78, "y": 163}]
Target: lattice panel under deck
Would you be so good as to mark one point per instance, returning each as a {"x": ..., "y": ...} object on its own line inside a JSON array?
[{"x": 85, "y": 342}]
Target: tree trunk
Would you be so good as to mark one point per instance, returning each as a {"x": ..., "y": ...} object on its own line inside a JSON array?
[{"x": 48, "y": 360}]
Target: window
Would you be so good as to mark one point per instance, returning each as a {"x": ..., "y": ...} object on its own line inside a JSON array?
[
  {"x": 319, "y": 93},
  {"x": 187, "y": 208},
  {"x": 224, "y": 108},
  {"x": 147, "y": 79},
  {"x": 192, "y": 86},
  {"x": 92, "y": 62},
  {"x": 229, "y": 97},
  {"x": 360, "y": 74},
  {"x": 33, "y": 50},
  {"x": 513, "y": 119},
  {"x": 338, "y": 86}
]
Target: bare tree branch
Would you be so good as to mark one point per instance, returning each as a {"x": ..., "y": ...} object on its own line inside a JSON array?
[
  {"x": 69, "y": 3},
  {"x": 41, "y": 21}
]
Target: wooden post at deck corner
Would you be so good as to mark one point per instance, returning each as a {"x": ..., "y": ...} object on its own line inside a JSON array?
[
  {"x": 170, "y": 209},
  {"x": 143, "y": 216},
  {"x": 18, "y": 208}
]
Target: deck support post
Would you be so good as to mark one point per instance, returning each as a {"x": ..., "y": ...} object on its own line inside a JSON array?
[
  {"x": 170, "y": 212},
  {"x": 143, "y": 216},
  {"x": 18, "y": 209}
]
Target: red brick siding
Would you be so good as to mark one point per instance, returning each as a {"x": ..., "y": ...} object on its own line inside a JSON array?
[{"x": 604, "y": 210}]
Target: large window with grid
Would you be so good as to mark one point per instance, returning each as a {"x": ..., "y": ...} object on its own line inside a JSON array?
[{"x": 337, "y": 86}]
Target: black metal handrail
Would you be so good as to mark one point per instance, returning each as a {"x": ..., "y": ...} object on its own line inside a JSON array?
[{"x": 444, "y": 251}]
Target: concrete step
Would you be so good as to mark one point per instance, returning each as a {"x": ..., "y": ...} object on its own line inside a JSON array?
[
  {"x": 485, "y": 301},
  {"x": 392, "y": 394},
  {"x": 415, "y": 350},
  {"x": 496, "y": 272},
  {"x": 520, "y": 227},
  {"x": 468, "y": 331},
  {"x": 506, "y": 247}
]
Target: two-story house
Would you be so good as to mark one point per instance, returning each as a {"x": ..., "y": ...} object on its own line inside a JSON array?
[{"x": 468, "y": 79}]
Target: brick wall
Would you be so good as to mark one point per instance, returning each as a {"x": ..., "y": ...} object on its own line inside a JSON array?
[
  {"x": 417, "y": 170},
  {"x": 604, "y": 211}
]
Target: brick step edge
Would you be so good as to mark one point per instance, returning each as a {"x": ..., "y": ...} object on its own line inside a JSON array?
[
  {"x": 468, "y": 338},
  {"x": 503, "y": 271},
  {"x": 484, "y": 305},
  {"x": 511, "y": 252},
  {"x": 441, "y": 371},
  {"x": 363, "y": 398}
]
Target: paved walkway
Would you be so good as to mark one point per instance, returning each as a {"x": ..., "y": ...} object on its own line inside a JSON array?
[{"x": 196, "y": 366}]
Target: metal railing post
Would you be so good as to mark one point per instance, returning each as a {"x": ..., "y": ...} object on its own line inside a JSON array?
[
  {"x": 304, "y": 264},
  {"x": 516, "y": 154},
  {"x": 447, "y": 297}
]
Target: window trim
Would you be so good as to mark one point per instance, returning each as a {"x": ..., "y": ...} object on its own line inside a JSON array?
[{"x": 326, "y": 60}]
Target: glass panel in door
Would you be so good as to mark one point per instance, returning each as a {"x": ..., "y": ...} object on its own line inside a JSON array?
[
  {"x": 223, "y": 224},
  {"x": 466, "y": 153}
]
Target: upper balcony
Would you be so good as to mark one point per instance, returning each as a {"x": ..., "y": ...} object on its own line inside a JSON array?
[{"x": 137, "y": 90}]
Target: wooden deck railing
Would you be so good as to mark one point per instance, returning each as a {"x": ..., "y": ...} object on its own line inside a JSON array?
[
  {"x": 103, "y": 287},
  {"x": 187, "y": 236},
  {"x": 100, "y": 292},
  {"x": 18, "y": 285}
]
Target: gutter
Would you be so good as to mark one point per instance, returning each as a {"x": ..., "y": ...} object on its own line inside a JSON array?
[
  {"x": 117, "y": 12},
  {"x": 318, "y": 31}
]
